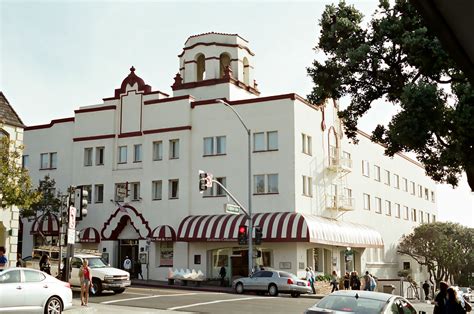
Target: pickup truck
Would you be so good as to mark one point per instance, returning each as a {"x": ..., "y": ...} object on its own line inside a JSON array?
[{"x": 104, "y": 277}]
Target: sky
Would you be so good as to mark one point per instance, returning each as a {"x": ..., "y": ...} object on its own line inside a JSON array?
[{"x": 56, "y": 56}]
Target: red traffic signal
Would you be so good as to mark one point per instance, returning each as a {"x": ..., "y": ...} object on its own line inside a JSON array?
[{"x": 242, "y": 237}]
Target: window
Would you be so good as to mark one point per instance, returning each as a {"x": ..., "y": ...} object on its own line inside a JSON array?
[
  {"x": 137, "y": 153},
  {"x": 266, "y": 183},
  {"x": 200, "y": 67},
  {"x": 218, "y": 149},
  {"x": 405, "y": 212},
  {"x": 88, "y": 188},
  {"x": 397, "y": 210},
  {"x": 166, "y": 254},
  {"x": 366, "y": 201},
  {"x": 25, "y": 162},
  {"x": 99, "y": 193},
  {"x": 265, "y": 143},
  {"x": 387, "y": 177},
  {"x": 432, "y": 196},
  {"x": 378, "y": 205},
  {"x": 122, "y": 154},
  {"x": 307, "y": 186},
  {"x": 33, "y": 276},
  {"x": 173, "y": 189},
  {"x": 224, "y": 59},
  {"x": 306, "y": 144},
  {"x": 157, "y": 150},
  {"x": 48, "y": 160},
  {"x": 388, "y": 208},
  {"x": 434, "y": 218},
  {"x": 420, "y": 216},
  {"x": 88, "y": 156},
  {"x": 396, "y": 179},
  {"x": 428, "y": 218},
  {"x": 377, "y": 173},
  {"x": 174, "y": 149},
  {"x": 135, "y": 191},
  {"x": 10, "y": 277},
  {"x": 427, "y": 194},
  {"x": 99, "y": 155},
  {"x": 365, "y": 168},
  {"x": 420, "y": 191},
  {"x": 405, "y": 184},
  {"x": 413, "y": 214},
  {"x": 412, "y": 185},
  {"x": 157, "y": 190},
  {"x": 216, "y": 190}
]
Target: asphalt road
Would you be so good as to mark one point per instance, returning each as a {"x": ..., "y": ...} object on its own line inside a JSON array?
[{"x": 153, "y": 300}]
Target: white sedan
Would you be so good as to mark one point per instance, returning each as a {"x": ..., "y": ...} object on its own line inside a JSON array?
[{"x": 30, "y": 290}]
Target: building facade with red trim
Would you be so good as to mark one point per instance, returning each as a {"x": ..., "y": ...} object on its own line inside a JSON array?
[{"x": 320, "y": 201}]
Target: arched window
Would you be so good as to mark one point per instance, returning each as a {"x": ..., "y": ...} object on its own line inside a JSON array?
[
  {"x": 246, "y": 71},
  {"x": 3, "y": 134},
  {"x": 200, "y": 67},
  {"x": 224, "y": 62}
]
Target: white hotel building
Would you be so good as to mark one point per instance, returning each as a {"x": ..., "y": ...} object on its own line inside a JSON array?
[{"x": 321, "y": 201}]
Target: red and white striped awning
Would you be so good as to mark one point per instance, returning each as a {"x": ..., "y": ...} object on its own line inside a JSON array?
[
  {"x": 163, "y": 233},
  {"x": 280, "y": 227},
  {"x": 89, "y": 235},
  {"x": 46, "y": 224}
]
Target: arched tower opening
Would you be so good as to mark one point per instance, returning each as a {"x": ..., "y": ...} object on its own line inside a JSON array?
[
  {"x": 224, "y": 61},
  {"x": 200, "y": 67},
  {"x": 246, "y": 71}
]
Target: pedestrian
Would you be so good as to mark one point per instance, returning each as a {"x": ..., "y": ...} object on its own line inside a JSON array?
[
  {"x": 44, "y": 264},
  {"x": 367, "y": 281},
  {"x": 19, "y": 261},
  {"x": 347, "y": 279},
  {"x": 334, "y": 281},
  {"x": 222, "y": 273},
  {"x": 3, "y": 258},
  {"x": 309, "y": 279},
  {"x": 127, "y": 264},
  {"x": 373, "y": 283},
  {"x": 426, "y": 289},
  {"x": 85, "y": 279},
  {"x": 313, "y": 279},
  {"x": 138, "y": 269},
  {"x": 441, "y": 298},
  {"x": 453, "y": 303},
  {"x": 355, "y": 281}
]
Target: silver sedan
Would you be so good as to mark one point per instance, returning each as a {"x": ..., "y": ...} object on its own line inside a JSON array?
[{"x": 273, "y": 282}]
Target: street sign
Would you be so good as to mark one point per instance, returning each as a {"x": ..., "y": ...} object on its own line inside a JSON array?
[
  {"x": 121, "y": 190},
  {"x": 71, "y": 236},
  {"x": 232, "y": 209},
  {"x": 209, "y": 180},
  {"x": 72, "y": 217}
]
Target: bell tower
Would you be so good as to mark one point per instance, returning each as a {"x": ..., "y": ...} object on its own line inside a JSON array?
[{"x": 216, "y": 65}]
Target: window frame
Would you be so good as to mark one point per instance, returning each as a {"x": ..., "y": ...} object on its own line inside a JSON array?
[
  {"x": 366, "y": 200},
  {"x": 154, "y": 185},
  {"x": 157, "y": 150},
  {"x": 265, "y": 146},
  {"x": 366, "y": 168},
  {"x": 388, "y": 208},
  {"x": 137, "y": 153},
  {"x": 171, "y": 183},
  {"x": 387, "y": 177},
  {"x": 88, "y": 158},
  {"x": 377, "y": 176},
  {"x": 378, "y": 205},
  {"x": 122, "y": 149},
  {"x": 174, "y": 148},
  {"x": 97, "y": 193},
  {"x": 134, "y": 188},
  {"x": 99, "y": 155}
]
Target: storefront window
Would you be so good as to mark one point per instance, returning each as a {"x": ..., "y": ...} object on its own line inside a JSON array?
[{"x": 166, "y": 254}]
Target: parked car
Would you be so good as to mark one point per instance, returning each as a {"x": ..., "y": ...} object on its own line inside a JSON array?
[
  {"x": 273, "y": 282},
  {"x": 362, "y": 302},
  {"x": 31, "y": 290}
]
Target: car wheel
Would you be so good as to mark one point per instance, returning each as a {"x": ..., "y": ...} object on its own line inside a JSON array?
[
  {"x": 53, "y": 306},
  {"x": 118, "y": 291},
  {"x": 96, "y": 287},
  {"x": 239, "y": 288},
  {"x": 272, "y": 290},
  {"x": 295, "y": 294}
]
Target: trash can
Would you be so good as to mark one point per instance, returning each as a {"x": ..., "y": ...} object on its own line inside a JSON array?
[{"x": 388, "y": 289}]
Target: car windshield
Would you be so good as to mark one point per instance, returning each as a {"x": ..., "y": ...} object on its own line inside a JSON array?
[
  {"x": 96, "y": 263},
  {"x": 352, "y": 304}
]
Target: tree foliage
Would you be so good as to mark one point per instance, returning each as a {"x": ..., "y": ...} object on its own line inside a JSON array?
[
  {"x": 49, "y": 202},
  {"x": 445, "y": 248},
  {"x": 15, "y": 183},
  {"x": 398, "y": 59}
]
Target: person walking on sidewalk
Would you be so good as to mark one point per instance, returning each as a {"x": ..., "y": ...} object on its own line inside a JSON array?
[
  {"x": 85, "y": 279},
  {"x": 426, "y": 290},
  {"x": 334, "y": 281},
  {"x": 347, "y": 280},
  {"x": 138, "y": 269},
  {"x": 313, "y": 279},
  {"x": 127, "y": 264},
  {"x": 222, "y": 273}
]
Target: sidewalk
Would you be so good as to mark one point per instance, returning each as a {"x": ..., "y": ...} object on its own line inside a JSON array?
[{"x": 193, "y": 287}]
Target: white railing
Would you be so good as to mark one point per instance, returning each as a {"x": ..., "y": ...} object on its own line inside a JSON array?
[
  {"x": 340, "y": 202},
  {"x": 340, "y": 163}
]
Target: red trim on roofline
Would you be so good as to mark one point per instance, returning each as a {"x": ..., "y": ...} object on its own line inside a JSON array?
[
  {"x": 130, "y": 134},
  {"x": 149, "y": 93},
  {"x": 399, "y": 154},
  {"x": 215, "y": 82},
  {"x": 216, "y": 44},
  {"x": 291, "y": 96},
  {"x": 158, "y": 101},
  {"x": 96, "y": 109},
  {"x": 178, "y": 128},
  {"x": 46, "y": 126},
  {"x": 91, "y": 138}
]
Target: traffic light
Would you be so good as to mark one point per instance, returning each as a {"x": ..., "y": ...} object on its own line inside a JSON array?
[
  {"x": 202, "y": 181},
  {"x": 258, "y": 235},
  {"x": 81, "y": 203},
  {"x": 242, "y": 235}
]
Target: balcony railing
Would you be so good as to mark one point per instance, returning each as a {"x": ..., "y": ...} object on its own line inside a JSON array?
[
  {"x": 340, "y": 164},
  {"x": 340, "y": 202}
]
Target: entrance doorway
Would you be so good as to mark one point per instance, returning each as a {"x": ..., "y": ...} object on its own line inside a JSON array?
[
  {"x": 240, "y": 263},
  {"x": 128, "y": 248}
]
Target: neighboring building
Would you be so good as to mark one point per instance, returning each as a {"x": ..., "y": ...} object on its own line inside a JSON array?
[
  {"x": 319, "y": 200},
  {"x": 11, "y": 127}
]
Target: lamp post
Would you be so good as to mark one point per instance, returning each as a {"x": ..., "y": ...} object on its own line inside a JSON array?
[{"x": 249, "y": 209}]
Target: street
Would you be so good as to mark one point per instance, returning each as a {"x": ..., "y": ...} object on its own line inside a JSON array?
[{"x": 153, "y": 300}]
